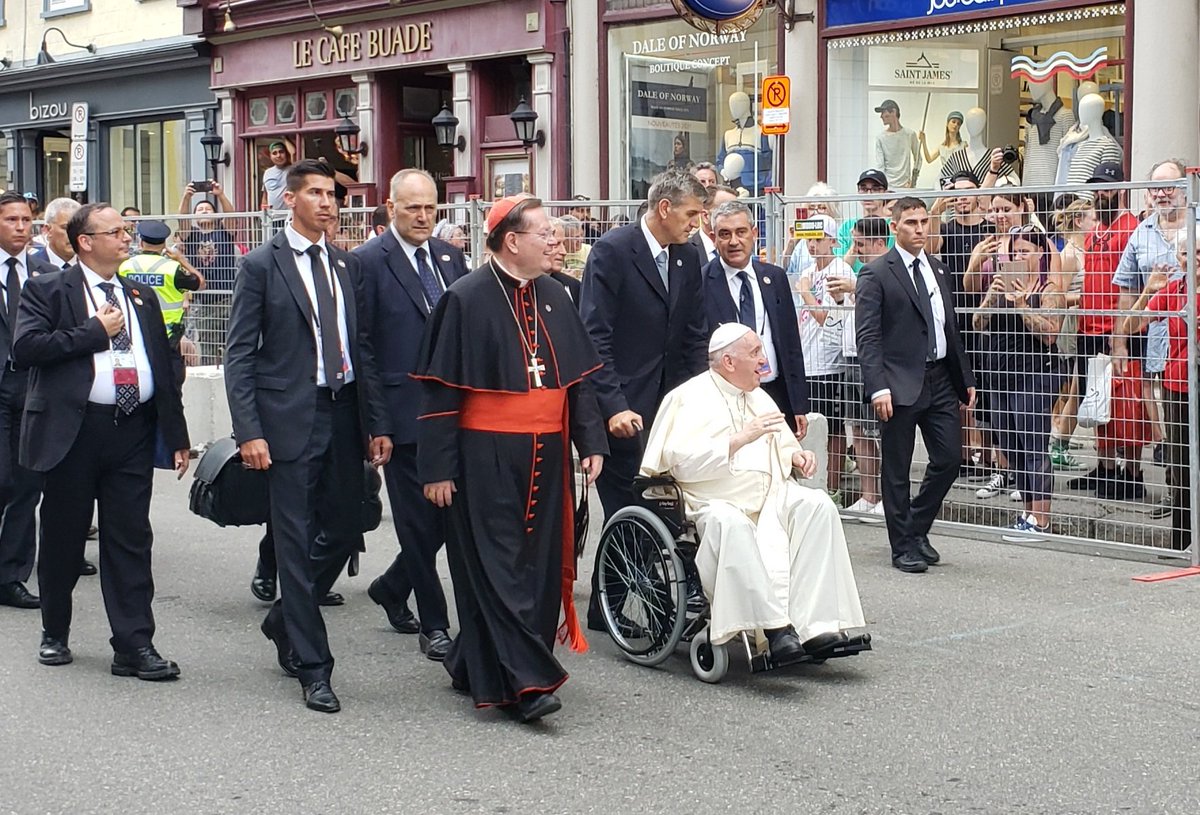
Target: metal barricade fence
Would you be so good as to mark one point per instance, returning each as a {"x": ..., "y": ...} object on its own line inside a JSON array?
[{"x": 1031, "y": 272}]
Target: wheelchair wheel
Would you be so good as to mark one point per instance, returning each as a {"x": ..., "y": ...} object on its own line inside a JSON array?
[
  {"x": 643, "y": 587},
  {"x": 709, "y": 662}
]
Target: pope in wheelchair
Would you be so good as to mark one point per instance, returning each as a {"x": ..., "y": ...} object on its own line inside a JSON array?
[{"x": 770, "y": 553}]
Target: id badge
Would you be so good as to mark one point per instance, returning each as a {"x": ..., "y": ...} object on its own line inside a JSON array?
[{"x": 124, "y": 368}]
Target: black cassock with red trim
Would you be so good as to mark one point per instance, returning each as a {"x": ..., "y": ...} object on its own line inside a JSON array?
[{"x": 505, "y": 395}]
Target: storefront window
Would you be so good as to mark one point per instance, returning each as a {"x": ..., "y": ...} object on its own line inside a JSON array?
[
  {"x": 147, "y": 165},
  {"x": 5, "y": 173},
  {"x": 932, "y": 73},
  {"x": 687, "y": 96}
]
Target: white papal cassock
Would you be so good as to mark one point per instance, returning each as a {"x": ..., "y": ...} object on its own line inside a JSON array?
[{"x": 772, "y": 552}]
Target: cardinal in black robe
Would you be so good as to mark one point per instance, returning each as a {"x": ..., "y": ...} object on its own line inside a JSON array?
[{"x": 504, "y": 365}]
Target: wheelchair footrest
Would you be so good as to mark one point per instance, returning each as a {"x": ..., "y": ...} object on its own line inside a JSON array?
[{"x": 854, "y": 644}]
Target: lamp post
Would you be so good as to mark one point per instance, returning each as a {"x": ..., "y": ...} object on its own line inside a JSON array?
[
  {"x": 445, "y": 129},
  {"x": 524, "y": 119}
]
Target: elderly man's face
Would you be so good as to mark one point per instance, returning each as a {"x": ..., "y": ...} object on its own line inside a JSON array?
[
  {"x": 558, "y": 254},
  {"x": 743, "y": 363},
  {"x": 736, "y": 239},
  {"x": 532, "y": 249}
]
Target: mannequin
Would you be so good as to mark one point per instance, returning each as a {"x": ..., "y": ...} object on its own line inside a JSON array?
[
  {"x": 976, "y": 157},
  {"x": 746, "y": 140},
  {"x": 1048, "y": 122},
  {"x": 731, "y": 173},
  {"x": 1087, "y": 144}
]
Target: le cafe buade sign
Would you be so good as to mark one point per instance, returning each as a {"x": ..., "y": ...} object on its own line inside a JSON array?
[{"x": 352, "y": 46}]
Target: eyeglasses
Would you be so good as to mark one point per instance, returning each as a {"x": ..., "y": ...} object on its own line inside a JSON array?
[
  {"x": 547, "y": 235},
  {"x": 111, "y": 233}
]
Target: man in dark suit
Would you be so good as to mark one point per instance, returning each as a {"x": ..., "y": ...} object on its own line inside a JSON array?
[
  {"x": 405, "y": 273},
  {"x": 642, "y": 302},
  {"x": 306, "y": 405},
  {"x": 915, "y": 373},
  {"x": 739, "y": 288},
  {"x": 702, "y": 239},
  {"x": 102, "y": 390},
  {"x": 20, "y": 488}
]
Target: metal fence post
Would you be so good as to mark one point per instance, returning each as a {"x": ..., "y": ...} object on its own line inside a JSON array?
[
  {"x": 1193, "y": 385},
  {"x": 475, "y": 216},
  {"x": 772, "y": 208}
]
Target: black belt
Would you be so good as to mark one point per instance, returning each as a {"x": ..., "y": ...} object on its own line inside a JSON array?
[
  {"x": 930, "y": 364},
  {"x": 343, "y": 392},
  {"x": 101, "y": 409}
]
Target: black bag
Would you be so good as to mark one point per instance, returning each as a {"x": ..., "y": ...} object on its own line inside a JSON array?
[{"x": 228, "y": 494}]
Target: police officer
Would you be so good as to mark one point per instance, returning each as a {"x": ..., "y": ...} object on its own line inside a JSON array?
[{"x": 168, "y": 272}]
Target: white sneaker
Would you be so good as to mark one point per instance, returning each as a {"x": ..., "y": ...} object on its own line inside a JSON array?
[
  {"x": 876, "y": 515},
  {"x": 993, "y": 487},
  {"x": 1015, "y": 495},
  {"x": 860, "y": 507}
]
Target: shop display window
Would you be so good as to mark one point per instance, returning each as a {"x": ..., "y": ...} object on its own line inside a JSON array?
[
  {"x": 932, "y": 73},
  {"x": 147, "y": 164},
  {"x": 687, "y": 96}
]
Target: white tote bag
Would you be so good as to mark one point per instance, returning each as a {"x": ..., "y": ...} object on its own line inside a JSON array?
[{"x": 1095, "y": 406}]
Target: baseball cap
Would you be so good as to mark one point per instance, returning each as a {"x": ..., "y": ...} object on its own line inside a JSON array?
[
  {"x": 875, "y": 176},
  {"x": 887, "y": 104},
  {"x": 153, "y": 231},
  {"x": 31, "y": 196},
  {"x": 954, "y": 114},
  {"x": 829, "y": 225},
  {"x": 1107, "y": 171},
  {"x": 501, "y": 208}
]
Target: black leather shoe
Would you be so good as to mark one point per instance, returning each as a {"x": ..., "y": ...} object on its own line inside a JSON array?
[
  {"x": 910, "y": 562},
  {"x": 319, "y": 696},
  {"x": 263, "y": 585},
  {"x": 283, "y": 649},
  {"x": 785, "y": 644},
  {"x": 144, "y": 663},
  {"x": 16, "y": 595},
  {"x": 533, "y": 706},
  {"x": 401, "y": 619},
  {"x": 926, "y": 551},
  {"x": 54, "y": 651},
  {"x": 435, "y": 645},
  {"x": 332, "y": 598},
  {"x": 814, "y": 646},
  {"x": 87, "y": 568},
  {"x": 697, "y": 603}
]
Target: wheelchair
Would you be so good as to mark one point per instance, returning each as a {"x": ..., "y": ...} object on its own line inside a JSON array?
[{"x": 646, "y": 561}]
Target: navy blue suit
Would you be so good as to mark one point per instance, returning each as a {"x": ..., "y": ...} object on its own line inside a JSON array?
[
  {"x": 396, "y": 316},
  {"x": 649, "y": 339},
  {"x": 20, "y": 488},
  {"x": 790, "y": 388}
]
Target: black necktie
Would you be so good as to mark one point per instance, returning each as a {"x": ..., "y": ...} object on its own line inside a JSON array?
[
  {"x": 12, "y": 293},
  {"x": 327, "y": 321},
  {"x": 128, "y": 395},
  {"x": 926, "y": 309},
  {"x": 746, "y": 303},
  {"x": 429, "y": 281}
]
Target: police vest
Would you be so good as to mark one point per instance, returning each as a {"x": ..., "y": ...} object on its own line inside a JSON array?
[{"x": 158, "y": 273}]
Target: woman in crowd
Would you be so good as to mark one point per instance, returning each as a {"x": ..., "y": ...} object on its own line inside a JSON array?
[
  {"x": 1018, "y": 313},
  {"x": 1073, "y": 224},
  {"x": 453, "y": 234}
]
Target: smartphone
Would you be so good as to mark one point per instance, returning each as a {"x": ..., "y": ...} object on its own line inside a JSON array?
[
  {"x": 1012, "y": 270},
  {"x": 202, "y": 186}
]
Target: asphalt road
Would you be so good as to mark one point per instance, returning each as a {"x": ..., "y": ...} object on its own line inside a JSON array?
[{"x": 1009, "y": 680}]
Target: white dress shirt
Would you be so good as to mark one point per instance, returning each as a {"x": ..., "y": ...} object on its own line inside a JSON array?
[
  {"x": 104, "y": 390},
  {"x": 22, "y": 274},
  {"x": 709, "y": 247},
  {"x": 656, "y": 248},
  {"x": 762, "y": 324},
  {"x": 410, "y": 252},
  {"x": 300, "y": 245},
  {"x": 54, "y": 260},
  {"x": 933, "y": 286}
]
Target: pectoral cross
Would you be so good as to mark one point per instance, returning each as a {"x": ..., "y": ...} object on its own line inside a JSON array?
[{"x": 536, "y": 369}]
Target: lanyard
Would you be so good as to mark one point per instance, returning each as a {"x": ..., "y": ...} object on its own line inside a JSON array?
[{"x": 124, "y": 292}]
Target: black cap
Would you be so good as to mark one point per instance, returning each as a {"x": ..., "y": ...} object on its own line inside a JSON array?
[
  {"x": 155, "y": 232},
  {"x": 963, "y": 175},
  {"x": 874, "y": 175},
  {"x": 887, "y": 104},
  {"x": 1107, "y": 171}
]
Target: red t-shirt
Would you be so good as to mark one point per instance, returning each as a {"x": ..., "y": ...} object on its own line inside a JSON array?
[
  {"x": 1103, "y": 248},
  {"x": 1171, "y": 301}
]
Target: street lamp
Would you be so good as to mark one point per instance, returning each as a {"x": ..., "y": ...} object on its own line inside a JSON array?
[
  {"x": 524, "y": 119},
  {"x": 44, "y": 58},
  {"x": 445, "y": 128},
  {"x": 347, "y": 138},
  {"x": 212, "y": 144}
]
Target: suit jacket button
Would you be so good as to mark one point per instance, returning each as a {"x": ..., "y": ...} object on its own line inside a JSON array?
[{"x": 312, "y": 378}]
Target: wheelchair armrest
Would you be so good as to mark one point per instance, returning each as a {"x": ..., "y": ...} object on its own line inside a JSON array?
[
  {"x": 665, "y": 499},
  {"x": 643, "y": 482}
]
